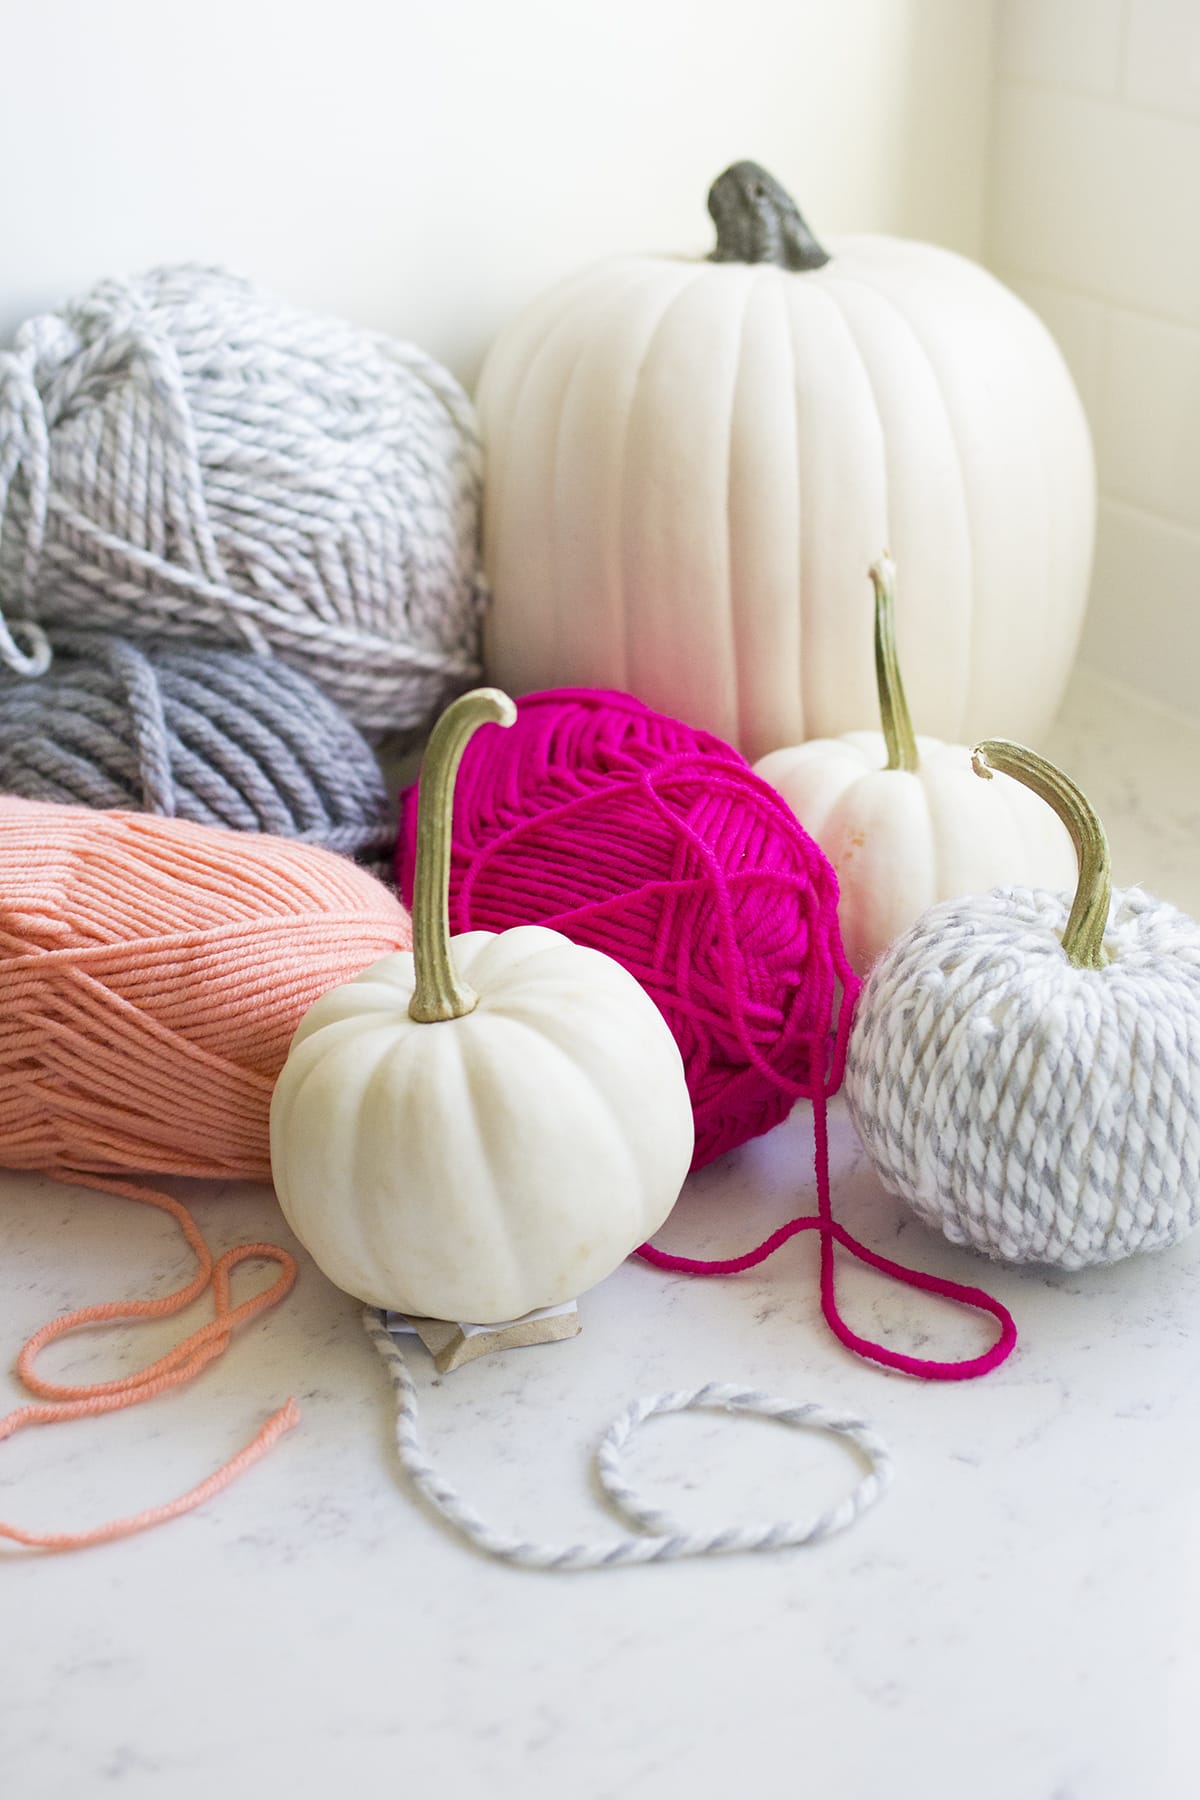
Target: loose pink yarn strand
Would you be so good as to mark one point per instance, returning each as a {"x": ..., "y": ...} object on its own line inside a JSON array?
[
  {"x": 925, "y": 1368},
  {"x": 58, "y": 1402}
]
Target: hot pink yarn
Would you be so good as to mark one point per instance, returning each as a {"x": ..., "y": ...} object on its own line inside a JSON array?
[{"x": 657, "y": 843}]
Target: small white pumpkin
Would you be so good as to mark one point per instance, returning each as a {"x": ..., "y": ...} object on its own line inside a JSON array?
[
  {"x": 688, "y": 459},
  {"x": 903, "y": 819},
  {"x": 476, "y": 1152},
  {"x": 1024, "y": 1069}
]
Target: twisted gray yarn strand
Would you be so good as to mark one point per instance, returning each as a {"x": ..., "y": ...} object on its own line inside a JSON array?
[
  {"x": 182, "y": 456},
  {"x": 663, "y": 1538},
  {"x": 219, "y": 737}
]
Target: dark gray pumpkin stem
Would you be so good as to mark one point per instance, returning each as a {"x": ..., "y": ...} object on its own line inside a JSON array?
[{"x": 757, "y": 221}]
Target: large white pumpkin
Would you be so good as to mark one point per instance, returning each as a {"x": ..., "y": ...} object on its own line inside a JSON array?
[{"x": 690, "y": 462}]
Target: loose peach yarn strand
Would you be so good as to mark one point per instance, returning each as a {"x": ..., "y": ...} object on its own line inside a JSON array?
[
  {"x": 58, "y": 1402},
  {"x": 143, "y": 960}
]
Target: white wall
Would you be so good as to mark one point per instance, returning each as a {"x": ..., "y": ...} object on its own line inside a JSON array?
[
  {"x": 427, "y": 165},
  {"x": 1094, "y": 216}
]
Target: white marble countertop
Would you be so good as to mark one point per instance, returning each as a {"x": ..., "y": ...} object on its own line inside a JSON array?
[{"x": 1018, "y": 1620}]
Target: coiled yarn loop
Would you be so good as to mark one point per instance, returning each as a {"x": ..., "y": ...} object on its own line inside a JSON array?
[{"x": 181, "y": 455}]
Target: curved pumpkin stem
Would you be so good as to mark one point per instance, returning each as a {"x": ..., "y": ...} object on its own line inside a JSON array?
[
  {"x": 757, "y": 221},
  {"x": 440, "y": 992},
  {"x": 893, "y": 707},
  {"x": 1083, "y": 939}
]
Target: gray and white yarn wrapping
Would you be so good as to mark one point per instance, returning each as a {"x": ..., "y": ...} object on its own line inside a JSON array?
[
  {"x": 660, "y": 1537},
  {"x": 1037, "y": 1111},
  {"x": 219, "y": 737},
  {"x": 182, "y": 456}
]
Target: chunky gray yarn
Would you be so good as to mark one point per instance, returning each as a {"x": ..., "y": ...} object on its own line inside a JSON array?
[
  {"x": 220, "y": 737},
  {"x": 182, "y": 456}
]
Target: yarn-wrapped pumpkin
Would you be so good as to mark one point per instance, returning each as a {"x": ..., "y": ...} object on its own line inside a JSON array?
[
  {"x": 182, "y": 456},
  {"x": 220, "y": 737},
  {"x": 634, "y": 834},
  {"x": 1024, "y": 1068},
  {"x": 690, "y": 459}
]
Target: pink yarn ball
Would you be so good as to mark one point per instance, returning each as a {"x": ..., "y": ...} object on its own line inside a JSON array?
[{"x": 656, "y": 843}]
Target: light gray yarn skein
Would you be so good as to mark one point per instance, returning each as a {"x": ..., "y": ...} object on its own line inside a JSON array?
[
  {"x": 220, "y": 737},
  {"x": 182, "y": 456}
]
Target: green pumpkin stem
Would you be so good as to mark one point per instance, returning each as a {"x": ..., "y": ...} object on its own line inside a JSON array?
[
  {"x": 440, "y": 992},
  {"x": 757, "y": 221},
  {"x": 893, "y": 707},
  {"x": 1083, "y": 939}
]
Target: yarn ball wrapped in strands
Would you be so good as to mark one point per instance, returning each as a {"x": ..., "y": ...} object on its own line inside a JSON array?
[
  {"x": 183, "y": 456},
  {"x": 152, "y": 973},
  {"x": 1025, "y": 1068},
  {"x": 636, "y": 835},
  {"x": 220, "y": 737}
]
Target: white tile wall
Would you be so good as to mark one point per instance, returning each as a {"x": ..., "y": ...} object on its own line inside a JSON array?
[
  {"x": 1077, "y": 324},
  {"x": 1148, "y": 416},
  {"x": 1162, "y": 63},
  {"x": 1094, "y": 196},
  {"x": 1073, "y": 43},
  {"x": 1145, "y": 621},
  {"x": 1094, "y": 218}
]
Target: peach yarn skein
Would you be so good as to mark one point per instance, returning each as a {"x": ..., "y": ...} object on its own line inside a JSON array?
[{"x": 152, "y": 973}]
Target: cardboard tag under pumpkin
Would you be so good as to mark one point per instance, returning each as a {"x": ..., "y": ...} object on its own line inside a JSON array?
[{"x": 451, "y": 1345}]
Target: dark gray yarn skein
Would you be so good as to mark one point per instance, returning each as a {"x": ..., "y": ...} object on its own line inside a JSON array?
[{"x": 220, "y": 737}]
